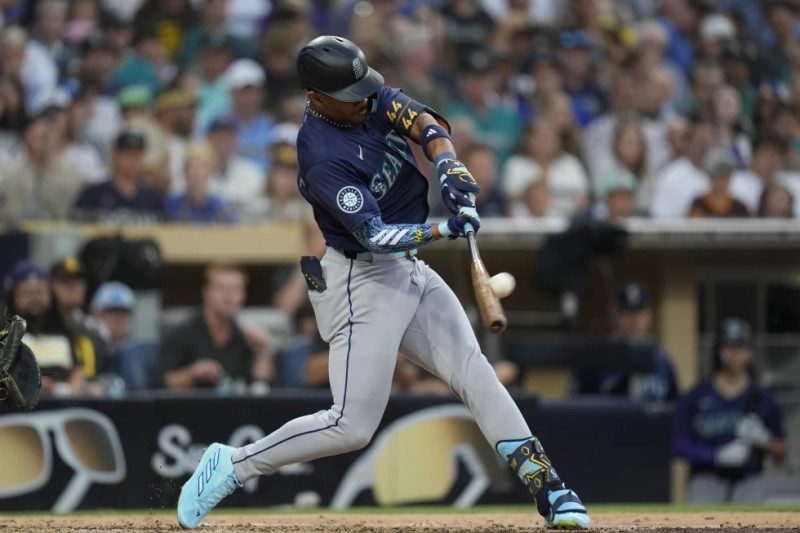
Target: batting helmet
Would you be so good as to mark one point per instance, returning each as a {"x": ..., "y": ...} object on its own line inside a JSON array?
[{"x": 337, "y": 67}]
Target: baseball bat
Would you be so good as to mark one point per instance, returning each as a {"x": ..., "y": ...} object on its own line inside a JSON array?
[{"x": 491, "y": 310}]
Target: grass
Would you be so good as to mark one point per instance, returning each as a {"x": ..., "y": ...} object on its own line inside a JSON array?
[{"x": 498, "y": 509}]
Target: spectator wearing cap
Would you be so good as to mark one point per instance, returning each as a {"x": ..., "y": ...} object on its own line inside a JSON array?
[
  {"x": 171, "y": 20},
  {"x": 542, "y": 162},
  {"x": 112, "y": 309},
  {"x": 717, "y": 32},
  {"x": 497, "y": 124},
  {"x": 175, "y": 110},
  {"x": 736, "y": 68},
  {"x": 681, "y": 181},
  {"x": 211, "y": 26},
  {"x": 728, "y": 424},
  {"x": 65, "y": 356},
  {"x": 254, "y": 126},
  {"x": 282, "y": 201},
  {"x": 576, "y": 67},
  {"x": 40, "y": 186},
  {"x": 214, "y": 57},
  {"x": 632, "y": 322},
  {"x": 79, "y": 151},
  {"x": 718, "y": 202},
  {"x": 235, "y": 179},
  {"x": 123, "y": 197},
  {"x": 765, "y": 164},
  {"x": 140, "y": 66},
  {"x": 197, "y": 205}
]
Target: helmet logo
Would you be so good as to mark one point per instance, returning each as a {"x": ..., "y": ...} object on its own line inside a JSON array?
[{"x": 358, "y": 68}]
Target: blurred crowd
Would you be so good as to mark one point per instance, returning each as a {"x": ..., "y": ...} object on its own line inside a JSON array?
[{"x": 187, "y": 110}]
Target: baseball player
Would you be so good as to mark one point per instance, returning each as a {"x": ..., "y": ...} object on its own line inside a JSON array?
[
  {"x": 371, "y": 296},
  {"x": 728, "y": 424}
]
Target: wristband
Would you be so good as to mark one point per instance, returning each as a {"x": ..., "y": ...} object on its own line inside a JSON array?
[
  {"x": 444, "y": 229},
  {"x": 431, "y": 132},
  {"x": 444, "y": 156}
]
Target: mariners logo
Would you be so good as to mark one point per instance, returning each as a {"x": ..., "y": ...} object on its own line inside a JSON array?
[
  {"x": 349, "y": 199},
  {"x": 358, "y": 68}
]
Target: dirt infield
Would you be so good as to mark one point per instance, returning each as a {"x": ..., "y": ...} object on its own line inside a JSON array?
[{"x": 397, "y": 523}]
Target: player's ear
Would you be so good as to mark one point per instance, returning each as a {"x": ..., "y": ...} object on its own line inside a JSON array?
[{"x": 314, "y": 97}]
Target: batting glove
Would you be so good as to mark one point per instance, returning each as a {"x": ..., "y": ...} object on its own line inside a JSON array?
[
  {"x": 458, "y": 185},
  {"x": 751, "y": 429},
  {"x": 455, "y": 227}
]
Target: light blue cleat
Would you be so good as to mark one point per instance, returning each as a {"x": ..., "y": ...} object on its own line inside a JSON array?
[
  {"x": 566, "y": 511},
  {"x": 213, "y": 479}
]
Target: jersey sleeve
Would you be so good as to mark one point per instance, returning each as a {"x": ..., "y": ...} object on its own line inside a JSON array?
[
  {"x": 335, "y": 188},
  {"x": 401, "y": 111}
]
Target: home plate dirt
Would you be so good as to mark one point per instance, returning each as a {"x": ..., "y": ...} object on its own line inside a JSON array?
[{"x": 397, "y": 523}]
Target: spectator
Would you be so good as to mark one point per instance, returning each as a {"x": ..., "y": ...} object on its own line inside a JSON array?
[
  {"x": 68, "y": 282},
  {"x": 717, "y": 32},
  {"x": 727, "y": 425},
  {"x": 282, "y": 202},
  {"x": 632, "y": 322},
  {"x": 214, "y": 57},
  {"x": 236, "y": 180},
  {"x": 79, "y": 152},
  {"x": 253, "y": 126},
  {"x": 212, "y": 25},
  {"x": 680, "y": 19},
  {"x": 467, "y": 29},
  {"x": 545, "y": 82},
  {"x": 175, "y": 116},
  {"x": 94, "y": 76},
  {"x": 197, "y": 205},
  {"x": 480, "y": 160},
  {"x": 419, "y": 76},
  {"x": 627, "y": 170},
  {"x": 210, "y": 347},
  {"x": 84, "y": 18},
  {"x": 707, "y": 78},
  {"x": 576, "y": 66},
  {"x": 171, "y": 19},
  {"x": 681, "y": 181},
  {"x": 13, "y": 41},
  {"x": 718, "y": 202},
  {"x": 495, "y": 123},
  {"x": 64, "y": 356},
  {"x": 558, "y": 110},
  {"x": 541, "y": 159},
  {"x": 765, "y": 163},
  {"x": 776, "y": 202},
  {"x": 112, "y": 312},
  {"x": 141, "y": 66},
  {"x": 46, "y": 55},
  {"x": 777, "y": 60},
  {"x": 40, "y": 185},
  {"x": 729, "y": 132},
  {"x": 277, "y": 55},
  {"x": 122, "y": 198},
  {"x": 736, "y": 68}
]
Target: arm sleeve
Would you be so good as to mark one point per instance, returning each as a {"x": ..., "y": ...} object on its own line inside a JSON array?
[
  {"x": 401, "y": 111},
  {"x": 336, "y": 188},
  {"x": 683, "y": 444},
  {"x": 382, "y": 238}
]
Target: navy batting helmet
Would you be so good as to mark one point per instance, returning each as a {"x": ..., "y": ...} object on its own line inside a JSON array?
[{"x": 337, "y": 67}]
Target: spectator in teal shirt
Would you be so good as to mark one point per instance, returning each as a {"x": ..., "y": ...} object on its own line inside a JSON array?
[
  {"x": 140, "y": 67},
  {"x": 496, "y": 124}
]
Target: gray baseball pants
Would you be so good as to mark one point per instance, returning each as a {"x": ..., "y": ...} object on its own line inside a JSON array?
[{"x": 370, "y": 311}]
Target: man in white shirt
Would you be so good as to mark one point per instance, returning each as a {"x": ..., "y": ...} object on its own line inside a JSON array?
[
  {"x": 237, "y": 180},
  {"x": 681, "y": 181}
]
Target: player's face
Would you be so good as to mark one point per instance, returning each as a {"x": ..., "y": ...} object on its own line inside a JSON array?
[
  {"x": 736, "y": 358},
  {"x": 342, "y": 112}
]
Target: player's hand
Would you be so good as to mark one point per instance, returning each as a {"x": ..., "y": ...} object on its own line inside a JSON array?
[
  {"x": 457, "y": 226},
  {"x": 458, "y": 185},
  {"x": 733, "y": 455},
  {"x": 751, "y": 429}
]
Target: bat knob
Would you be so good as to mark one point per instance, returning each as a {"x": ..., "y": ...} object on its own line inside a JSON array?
[{"x": 498, "y": 326}]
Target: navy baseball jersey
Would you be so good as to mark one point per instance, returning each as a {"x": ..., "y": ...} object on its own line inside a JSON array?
[
  {"x": 705, "y": 421},
  {"x": 350, "y": 175}
]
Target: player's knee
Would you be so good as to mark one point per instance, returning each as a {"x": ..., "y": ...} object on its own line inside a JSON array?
[{"x": 357, "y": 438}]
